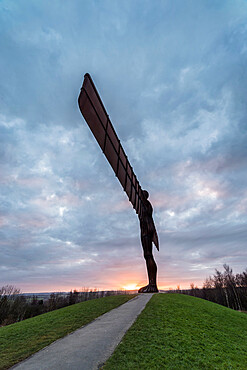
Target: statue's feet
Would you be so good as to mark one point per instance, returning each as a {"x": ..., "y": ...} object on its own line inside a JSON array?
[{"x": 148, "y": 289}]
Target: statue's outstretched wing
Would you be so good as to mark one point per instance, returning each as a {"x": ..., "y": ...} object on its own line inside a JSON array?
[{"x": 98, "y": 120}]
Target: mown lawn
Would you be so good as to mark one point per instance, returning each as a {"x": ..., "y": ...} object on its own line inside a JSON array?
[
  {"x": 20, "y": 340},
  {"x": 176, "y": 331}
]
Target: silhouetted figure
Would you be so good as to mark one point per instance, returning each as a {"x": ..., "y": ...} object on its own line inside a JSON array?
[{"x": 148, "y": 235}]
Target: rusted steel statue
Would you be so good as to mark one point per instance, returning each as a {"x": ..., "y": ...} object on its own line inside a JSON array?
[
  {"x": 148, "y": 235},
  {"x": 99, "y": 123}
]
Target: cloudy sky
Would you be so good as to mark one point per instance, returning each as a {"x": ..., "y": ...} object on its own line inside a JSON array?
[{"x": 173, "y": 78}]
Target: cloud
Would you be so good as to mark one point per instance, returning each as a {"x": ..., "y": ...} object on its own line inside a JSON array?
[{"x": 172, "y": 77}]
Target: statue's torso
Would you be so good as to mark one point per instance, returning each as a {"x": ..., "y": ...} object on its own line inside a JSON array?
[{"x": 146, "y": 219}]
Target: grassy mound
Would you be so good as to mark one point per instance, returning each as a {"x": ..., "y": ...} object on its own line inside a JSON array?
[
  {"x": 20, "y": 340},
  {"x": 181, "y": 332}
]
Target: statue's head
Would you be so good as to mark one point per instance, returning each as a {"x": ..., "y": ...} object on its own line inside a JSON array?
[{"x": 145, "y": 194}]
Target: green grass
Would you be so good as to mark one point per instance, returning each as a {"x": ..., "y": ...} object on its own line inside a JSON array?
[
  {"x": 181, "y": 332},
  {"x": 20, "y": 340}
]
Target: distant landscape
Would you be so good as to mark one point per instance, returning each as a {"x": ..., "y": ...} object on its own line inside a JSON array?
[{"x": 223, "y": 288}]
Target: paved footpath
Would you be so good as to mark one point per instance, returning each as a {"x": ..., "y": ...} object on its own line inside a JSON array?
[{"x": 90, "y": 346}]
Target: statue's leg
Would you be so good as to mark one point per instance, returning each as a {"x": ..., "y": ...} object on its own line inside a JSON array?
[
  {"x": 152, "y": 269},
  {"x": 151, "y": 265}
]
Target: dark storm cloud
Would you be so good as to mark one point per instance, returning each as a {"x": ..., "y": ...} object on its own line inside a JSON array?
[{"x": 173, "y": 79}]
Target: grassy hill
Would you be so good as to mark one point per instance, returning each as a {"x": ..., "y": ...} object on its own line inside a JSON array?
[
  {"x": 181, "y": 332},
  {"x": 173, "y": 332},
  {"x": 18, "y": 341}
]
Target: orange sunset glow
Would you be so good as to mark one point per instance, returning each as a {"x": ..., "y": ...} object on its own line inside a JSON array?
[{"x": 118, "y": 283}]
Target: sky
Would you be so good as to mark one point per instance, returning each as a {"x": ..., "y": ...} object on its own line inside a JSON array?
[{"x": 172, "y": 75}]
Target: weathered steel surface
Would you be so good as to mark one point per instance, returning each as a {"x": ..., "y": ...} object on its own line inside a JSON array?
[{"x": 98, "y": 120}]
